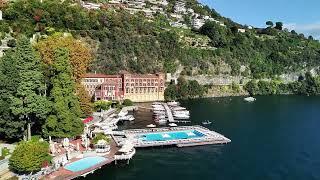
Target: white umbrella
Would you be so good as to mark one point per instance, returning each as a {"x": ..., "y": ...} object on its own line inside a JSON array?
[
  {"x": 78, "y": 147},
  {"x": 52, "y": 148},
  {"x": 65, "y": 142}
]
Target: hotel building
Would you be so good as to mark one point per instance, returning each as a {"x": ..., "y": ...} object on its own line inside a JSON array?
[{"x": 136, "y": 87}]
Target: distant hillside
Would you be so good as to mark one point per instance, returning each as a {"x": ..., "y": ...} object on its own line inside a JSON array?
[{"x": 151, "y": 36}]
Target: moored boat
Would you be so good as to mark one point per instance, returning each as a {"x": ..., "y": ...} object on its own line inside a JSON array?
[{"x": 250, "y": 99}]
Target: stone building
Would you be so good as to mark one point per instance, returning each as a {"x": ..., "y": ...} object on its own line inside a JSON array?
[{"x": 136, "y": 87}]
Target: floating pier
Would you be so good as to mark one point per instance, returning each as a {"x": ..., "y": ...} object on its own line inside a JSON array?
[{"x": 203, "y": 136}]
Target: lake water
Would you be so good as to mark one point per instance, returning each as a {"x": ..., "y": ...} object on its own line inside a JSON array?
[{"x": 274, "y": 138}]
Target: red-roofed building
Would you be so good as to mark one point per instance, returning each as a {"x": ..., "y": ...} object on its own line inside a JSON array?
[{"x": 136, "y": 87}]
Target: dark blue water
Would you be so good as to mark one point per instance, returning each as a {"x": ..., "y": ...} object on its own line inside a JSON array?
[{"x": 274, "y": 138}]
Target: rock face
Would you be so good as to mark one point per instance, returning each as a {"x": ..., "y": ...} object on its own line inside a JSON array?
[{"x": 218, "y": 80}]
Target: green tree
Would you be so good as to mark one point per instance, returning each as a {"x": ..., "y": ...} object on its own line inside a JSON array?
[
  {"x": 102, "y": 105},
  {"x": 64, "y": 119},
  {"x": 279, "y": 25},
  {"x": 269, "y": 23},
  {"x": 252, "y": 87},
  {"x": 127, "y": 102},
  {"x": 29, "y": 104},
  {"x": 171, "y": 93},
  {"x": 29, "y": 157},
  {"x": 98, "y": 137},
  {"x": 215, "y": 32},
  {"x": 10, "y": 126},
  {"x": 85, "y": 100}
]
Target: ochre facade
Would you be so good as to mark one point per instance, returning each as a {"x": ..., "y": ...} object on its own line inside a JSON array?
[{"x": 136, "y": 87}]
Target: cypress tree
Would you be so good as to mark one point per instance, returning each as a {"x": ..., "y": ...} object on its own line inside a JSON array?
[
  {"x": 64, "y": 120},
  {"x": 10, "y": 127},
  {"x": 23, "y": 88},
  {"x": 29, "y": 104}
]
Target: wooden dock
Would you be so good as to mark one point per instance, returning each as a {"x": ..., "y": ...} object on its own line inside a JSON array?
[{"x": 169, "y": 113}]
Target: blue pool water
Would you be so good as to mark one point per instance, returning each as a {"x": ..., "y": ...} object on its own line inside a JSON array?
[
  {"x": 84, "y": 163},
  {"x": 164, "y": 136}
]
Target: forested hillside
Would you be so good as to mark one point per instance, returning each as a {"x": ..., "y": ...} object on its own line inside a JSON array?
[{"x": 138, "y": 44}]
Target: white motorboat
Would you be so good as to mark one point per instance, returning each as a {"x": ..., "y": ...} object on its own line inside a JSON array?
[
  {"x": 181, "y": 112},
  {"x": 173, "y": 125},
  {"x": 159, "y": 112},
  {"x": 131, "y": 118},
  {"x": 181, "y": 116},
  {"x": 127, "y": 118},
  {"x": 173, "y": 103},
  {"x": 179, "y": 108},
  {"x": 151, "y": 126},
  {"x": 156, "y": 103},
  {"x": 161, "y": 121},
  {"x": 123, "y": 113},
  {"x": 158, "y": 109},
  {"x": 206, "y": 122},
  {"x": 160, "y": 117},
  {"x": 250, "y": 99},
  {"x": 157, "y": 106}
]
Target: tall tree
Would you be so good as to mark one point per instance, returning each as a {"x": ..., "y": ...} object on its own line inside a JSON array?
[
  {"x": 79, "y": 55},
  {"x": 64, "y": 120},
  {"x": 10, "y": 127},
  {"x": 85, "y": 100},
  {"x": 29, "y": 103}
]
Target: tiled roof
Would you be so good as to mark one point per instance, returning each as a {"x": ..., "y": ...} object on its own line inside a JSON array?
[
  {"x": 99, "y": 75},
  {"x": 144, "y": 76}
]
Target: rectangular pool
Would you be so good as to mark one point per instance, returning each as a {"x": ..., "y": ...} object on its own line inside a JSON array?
[
  {"x": 84, "y": 163},
  {"x": 173, "y": 135}
]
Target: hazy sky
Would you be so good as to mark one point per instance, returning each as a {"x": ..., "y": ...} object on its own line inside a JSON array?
[{"x": 301, "y": 15}]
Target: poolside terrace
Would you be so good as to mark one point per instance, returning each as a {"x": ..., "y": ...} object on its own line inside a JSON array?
[{"x": 64, "y": 174}]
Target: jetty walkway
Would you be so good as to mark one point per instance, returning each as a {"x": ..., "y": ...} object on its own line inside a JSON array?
[{"x": 169, "y": 113}]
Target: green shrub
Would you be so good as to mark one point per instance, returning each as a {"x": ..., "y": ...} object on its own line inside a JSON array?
[
  {"x": 127, "y": 102},
  {"x": 29, "y": 156},
  {"x": 100, "y": 136}
]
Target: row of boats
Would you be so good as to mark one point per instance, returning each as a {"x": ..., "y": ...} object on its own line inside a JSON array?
[{"x": 161, "y": 116}]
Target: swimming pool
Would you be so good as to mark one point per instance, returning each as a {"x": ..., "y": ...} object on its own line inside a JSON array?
[
  {"x": 84, "y": 163},
  {"x": 174, "y": 135}
]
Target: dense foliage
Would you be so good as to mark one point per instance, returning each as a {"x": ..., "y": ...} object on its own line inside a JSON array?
[
  {"x": 102, "y": 105},
  {"x": 63, "y": 120},
  {"x": 305, "y": 86},
  {"x": 30, "y": 157},
  {"x": 98, "y": 137},
  {"x": 23, "y": 91},
  {"x": 134, "y": 43},
  {"x": 79, "y": 55},
  {"x": 184, "y": 89},
  {"x": 45, "y": 99},
  {"x": 127, "y": 102}
]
